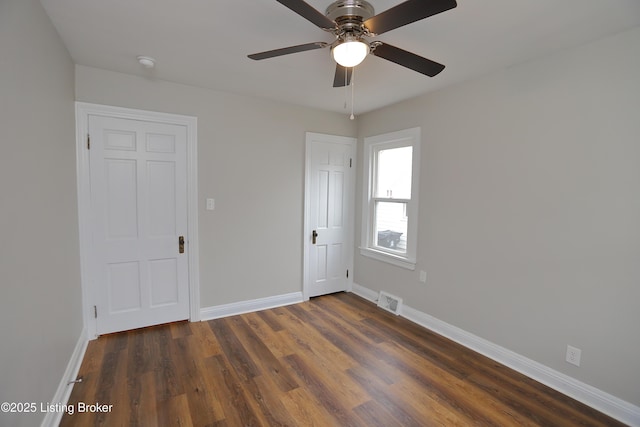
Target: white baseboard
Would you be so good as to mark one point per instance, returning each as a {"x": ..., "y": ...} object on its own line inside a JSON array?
[
  {"x": 589, "y": 395},
  {"x": 365, "y": 293},
  {"x": 241, "y": 307},
  {"x": 61, "y": 397}
]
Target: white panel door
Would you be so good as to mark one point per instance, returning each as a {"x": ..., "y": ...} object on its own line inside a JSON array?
[
  {"x": 139, "y": 213},
  {"x": 329, "y": 187}
]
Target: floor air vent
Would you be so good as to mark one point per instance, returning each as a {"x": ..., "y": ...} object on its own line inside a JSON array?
[{"x": 390, "y": 302}]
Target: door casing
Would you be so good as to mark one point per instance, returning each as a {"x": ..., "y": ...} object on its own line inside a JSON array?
[
  {"x": 83, "y": 112},
  {"x": 349, "y": 198}
]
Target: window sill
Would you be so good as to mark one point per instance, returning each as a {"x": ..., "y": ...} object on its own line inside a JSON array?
[{"x": 388, "y": 258}]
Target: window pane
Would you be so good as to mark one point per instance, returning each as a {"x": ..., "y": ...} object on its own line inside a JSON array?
[
  {"x": 394, "y": 173},
  {"x": 391, "y": 226}
]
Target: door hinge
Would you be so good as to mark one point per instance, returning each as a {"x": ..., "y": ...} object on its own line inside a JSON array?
[
  {"x": 347, "y": 274},
  {"x": 88, "y": 142},
  {"x": 95, "y": 312}
]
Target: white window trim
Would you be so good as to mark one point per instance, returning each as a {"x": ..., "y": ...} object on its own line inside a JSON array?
[{"x": 408, "y": 137}]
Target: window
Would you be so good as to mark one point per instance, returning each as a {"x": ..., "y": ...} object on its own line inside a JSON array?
[{"x": 390, "y": 209}]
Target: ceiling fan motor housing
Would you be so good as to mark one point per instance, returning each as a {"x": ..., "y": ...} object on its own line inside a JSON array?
[{"x": 349, "y": 16}]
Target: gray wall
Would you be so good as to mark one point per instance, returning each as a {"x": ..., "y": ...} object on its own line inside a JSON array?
[
  {"x": 530, "y": 210},
  {"x": 40, "y": 309},
  {"x": 251, "y": 160}
]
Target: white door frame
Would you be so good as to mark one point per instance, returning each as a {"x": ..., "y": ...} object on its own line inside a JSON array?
[
  {"x": 349, "y": 198},
  {"x": 83, "y": 111}
]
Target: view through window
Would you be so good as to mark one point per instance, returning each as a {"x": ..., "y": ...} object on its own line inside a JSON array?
[{"x": 392, "y": 193}]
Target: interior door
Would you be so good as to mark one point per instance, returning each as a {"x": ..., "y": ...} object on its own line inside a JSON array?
[
  {"x": 329, "y": 205},
  {"x": 139, "y": 220}
]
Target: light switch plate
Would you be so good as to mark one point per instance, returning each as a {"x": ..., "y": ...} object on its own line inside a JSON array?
[
  {"x": 211, "y": 204},
  {"x": 423, "y": 276}
]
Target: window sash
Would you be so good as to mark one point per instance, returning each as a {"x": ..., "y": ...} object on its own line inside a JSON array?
[
  {"x": 391, "y": 242},
  {"x": 390, "y": 200},
  {"x": 376, "y": 190}
]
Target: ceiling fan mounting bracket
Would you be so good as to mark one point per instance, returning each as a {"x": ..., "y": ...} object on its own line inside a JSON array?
[{"x": 374, "y": 44}]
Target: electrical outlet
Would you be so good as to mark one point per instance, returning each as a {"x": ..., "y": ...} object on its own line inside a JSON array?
[{"x": 573, "y": 355}]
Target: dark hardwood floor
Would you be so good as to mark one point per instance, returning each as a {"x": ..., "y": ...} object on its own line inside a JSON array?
[{"x": 336, "y": 360}]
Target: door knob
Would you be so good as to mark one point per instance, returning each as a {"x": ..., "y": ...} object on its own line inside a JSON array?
[
  {"x": 181, "y": 244},
  {"x": 314, "y": 236}
]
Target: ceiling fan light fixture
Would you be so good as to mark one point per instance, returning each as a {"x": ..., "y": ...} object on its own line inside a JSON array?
[{"x": 350, "y": 52}]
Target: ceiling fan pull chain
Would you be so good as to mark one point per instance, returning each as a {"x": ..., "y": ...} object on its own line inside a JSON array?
[
  {"x": 346, "y": 87},
  {"x": 353, "y": 84}
]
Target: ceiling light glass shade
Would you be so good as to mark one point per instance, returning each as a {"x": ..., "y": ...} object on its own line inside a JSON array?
[{"x": 350, "y": 53}]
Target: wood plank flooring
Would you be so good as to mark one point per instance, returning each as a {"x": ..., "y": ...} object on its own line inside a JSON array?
[{"x": 336, "y": 360}]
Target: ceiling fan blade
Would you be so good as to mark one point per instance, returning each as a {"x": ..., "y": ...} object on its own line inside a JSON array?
[
  {"x": 342, "y": 77},
  {"x": 287, "y": 50},
  {"x": 408, "y": 59},
  {"x": 309, "y": 13},
  {"x": 406, "y": 13}
]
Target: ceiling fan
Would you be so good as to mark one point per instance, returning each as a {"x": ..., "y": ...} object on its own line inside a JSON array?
[{"x": 351, "y": 22}]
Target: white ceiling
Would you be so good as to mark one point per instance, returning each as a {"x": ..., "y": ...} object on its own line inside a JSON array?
[{"x": 205, "y": 42}]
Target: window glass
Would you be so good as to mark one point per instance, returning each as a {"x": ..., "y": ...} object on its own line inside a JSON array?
[
  {"x": 393, "y": 170},
  {"x": 391, "y": 226}
]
